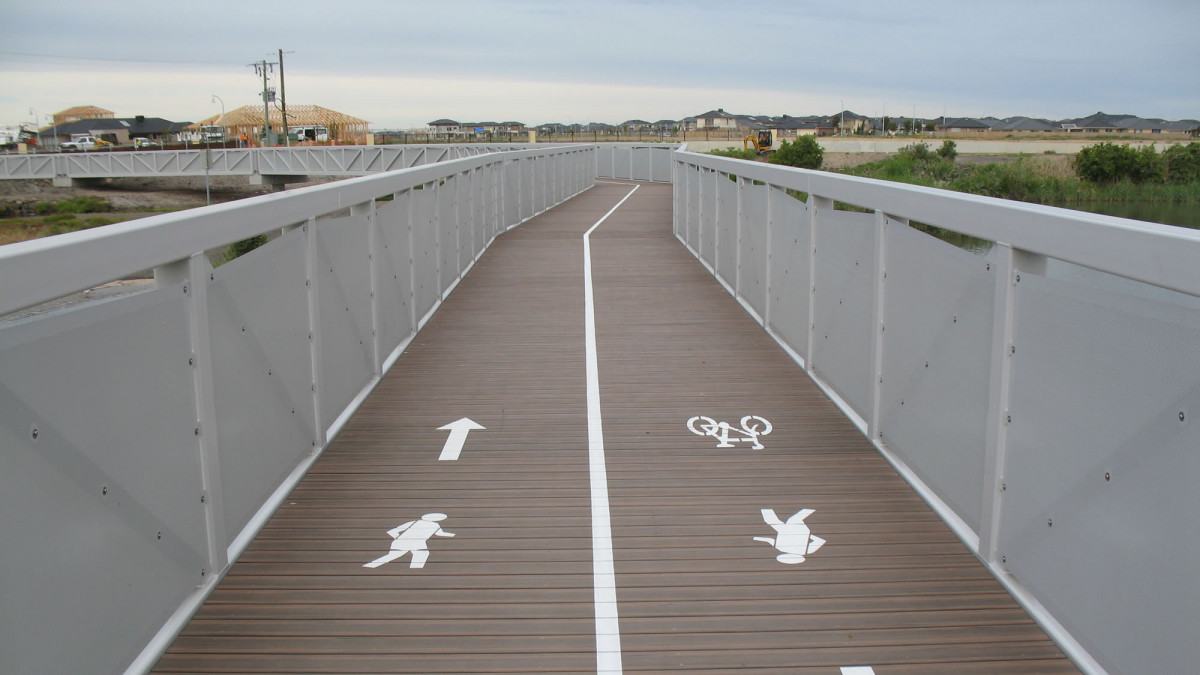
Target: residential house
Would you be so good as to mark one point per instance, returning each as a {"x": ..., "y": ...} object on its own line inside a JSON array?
[
  {"x": 957, "y": 125},
  {"x": 120, "y": 131},
  {"x": 716, "y": 119},
  {"x": 445, "y": 128},
  {"x": 850, "y": 122}
]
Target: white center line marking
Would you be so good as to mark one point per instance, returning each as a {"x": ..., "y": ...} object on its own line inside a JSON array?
[{"x": 604, "y": 582}]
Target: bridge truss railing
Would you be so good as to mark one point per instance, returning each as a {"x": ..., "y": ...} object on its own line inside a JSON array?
[
  {"x": 615, "y": 160},
  {"x": 146, "y": 438},
  {"x": 1041, "y": 393}
]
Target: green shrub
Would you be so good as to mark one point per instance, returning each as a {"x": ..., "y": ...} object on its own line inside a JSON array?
[
  {"x": 240, "y": 248},
  {"x": 59, "y": 218},
  {"x": 735, "y": 153},
  {"x": 1182, "y": 163},
  {"x": 804, "y": 152},
  {"x": 949, "y": 150},
  {"x": 1110, "y": 163}
]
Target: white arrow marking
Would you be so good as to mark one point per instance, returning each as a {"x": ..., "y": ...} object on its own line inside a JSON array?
[{"x": 458, "y": 435}]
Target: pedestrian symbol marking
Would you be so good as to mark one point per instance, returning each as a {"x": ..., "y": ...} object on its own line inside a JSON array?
[
  {"x": 413, "y": 537},
  {"x": 752, "y": 426},
  {"x": 792, "y": 539}
]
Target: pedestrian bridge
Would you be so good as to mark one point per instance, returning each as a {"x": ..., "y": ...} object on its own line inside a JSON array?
[{"x": 602, "y": 408}]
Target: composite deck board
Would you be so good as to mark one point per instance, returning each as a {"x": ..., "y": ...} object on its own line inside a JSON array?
[{"x": 512, "y": 591}]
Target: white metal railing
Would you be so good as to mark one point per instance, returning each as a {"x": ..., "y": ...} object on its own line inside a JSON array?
[
  {"x": 146, "y": 438},
  {"x": 1043, "y": 396},
  {"x": 621, "y": 160}
]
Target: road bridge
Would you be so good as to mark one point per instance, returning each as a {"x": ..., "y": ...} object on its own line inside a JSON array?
[{"x": 502, "y": 413}]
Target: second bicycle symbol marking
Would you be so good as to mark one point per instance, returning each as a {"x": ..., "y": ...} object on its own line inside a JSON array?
[{"x": 752, "y": 426}]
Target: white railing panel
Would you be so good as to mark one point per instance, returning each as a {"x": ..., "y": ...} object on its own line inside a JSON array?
[
  {"x": 752, "y": 246},
  {"x": 622, "y": 161},
  {"x": 937, "y": 351},
  {"x": 692, "y": 210},
  {"x": 27, "y": 166},
  {"x": 512, "y": 193},
  {"x": 844, "y": 326},
  {"x": 790, "y": 267},
  {"x": 468, "y": 238},
  {"x": 427, "y": 286},
  {"x": 394, "y": 271},
  {"x": 262, "y": 372},
  {"x": 660, "y": 164},
  {"x": 641, "y": 162},
  {"x": 709, "y": 183},
  {"x": 343, "y": 287},
  {"x": 727, "y": 228},
  {"x": 1099, "y": 507},
  {"x": 538, "y": 166},
  {"x": 528, "y": 189},
  {"x": 604, "y": 161},
  {"x": 100, "y": 483}
]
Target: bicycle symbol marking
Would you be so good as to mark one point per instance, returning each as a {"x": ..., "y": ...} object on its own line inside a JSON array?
[{"x": 752, "y": 426}]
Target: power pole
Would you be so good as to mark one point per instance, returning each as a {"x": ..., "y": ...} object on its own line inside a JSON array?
[
  {"x": 283, "y": 100},
  {"x": 263, "y": 68}
]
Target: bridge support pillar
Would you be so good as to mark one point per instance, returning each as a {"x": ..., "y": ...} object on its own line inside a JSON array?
[{"x": 276, "y": 182}]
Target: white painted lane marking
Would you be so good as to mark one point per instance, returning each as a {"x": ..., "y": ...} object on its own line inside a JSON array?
[
  {"x": 753, "y": 426},
  {"x": 858, "y": 670},
  {"x": 604, "y": 580},
  {"x": 792, "y": 539},
  {"x": 413, "y": 537},
  {"x": 458, "y": 435}
]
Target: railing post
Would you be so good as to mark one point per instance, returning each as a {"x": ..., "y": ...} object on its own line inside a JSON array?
[
  {"x": 320, "y": 437},
  {"x": 193, "y": 275},
  {"x": 815, "y": 205},
  {"x": 1009, "y": 264},
  {"x": 883, "y": 222}
]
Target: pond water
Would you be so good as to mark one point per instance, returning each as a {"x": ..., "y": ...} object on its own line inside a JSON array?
[{"x": 1183, "y": 215}]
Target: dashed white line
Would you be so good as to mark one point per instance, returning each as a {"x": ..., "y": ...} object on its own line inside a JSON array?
[{"x": 604, "y": 583}]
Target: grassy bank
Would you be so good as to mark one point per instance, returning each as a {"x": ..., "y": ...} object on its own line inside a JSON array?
[{"x": 1039, "y": 180}]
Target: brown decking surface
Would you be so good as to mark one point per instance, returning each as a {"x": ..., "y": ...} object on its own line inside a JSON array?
[{"x": 512, "y": 591}]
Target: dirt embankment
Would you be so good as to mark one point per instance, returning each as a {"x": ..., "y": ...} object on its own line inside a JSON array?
[{"x": 18, "y": 197}]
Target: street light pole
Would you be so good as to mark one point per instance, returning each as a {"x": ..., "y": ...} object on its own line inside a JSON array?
[
  {"x": 214, "y": 99},
  {"x": 37, "y": 141}
]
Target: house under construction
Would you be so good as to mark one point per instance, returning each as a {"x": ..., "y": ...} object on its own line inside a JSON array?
[{"x": 248, "y": 120}]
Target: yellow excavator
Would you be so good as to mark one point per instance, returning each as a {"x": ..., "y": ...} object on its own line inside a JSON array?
[{"x": 762, "y": 141}]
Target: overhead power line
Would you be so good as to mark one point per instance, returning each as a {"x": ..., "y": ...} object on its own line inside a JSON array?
[{"x": 102, "y": 59}]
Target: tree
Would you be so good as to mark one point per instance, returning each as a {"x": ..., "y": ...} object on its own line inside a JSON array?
[{"x": 804, "y": 152}]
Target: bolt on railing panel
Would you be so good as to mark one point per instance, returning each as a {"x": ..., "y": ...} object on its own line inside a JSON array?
[{"x": 1041, "y": 396}]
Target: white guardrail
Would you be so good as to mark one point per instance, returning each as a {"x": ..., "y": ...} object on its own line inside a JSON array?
[
  {"x": 298, "y": 161},
  {"x": 1043, "y": 397},
  {"x": 145, "y": 439}
]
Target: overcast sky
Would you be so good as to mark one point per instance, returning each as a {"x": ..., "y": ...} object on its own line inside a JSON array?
[{"x": 401, "y": 64}]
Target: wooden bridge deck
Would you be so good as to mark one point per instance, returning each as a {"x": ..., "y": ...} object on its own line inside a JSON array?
[{"x": 512, "y": 590}]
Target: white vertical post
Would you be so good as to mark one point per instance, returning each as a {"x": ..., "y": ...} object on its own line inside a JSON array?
[
  {"x": 815, "y": 206},
  {"x": 314, "y": 332},
  {"x": 193, "y": 276},
  {"x": 883, "y": 222},
  {"x": 1008, "y": 267},
  {"x": 740, "y": 250}
]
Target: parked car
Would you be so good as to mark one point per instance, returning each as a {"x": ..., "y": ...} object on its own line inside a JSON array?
[
  {"x": 146, "y": 144},
  {"x": 83, "y": 143}
]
